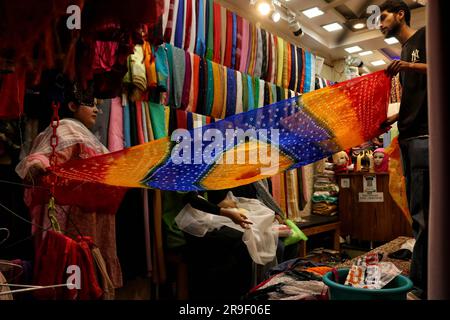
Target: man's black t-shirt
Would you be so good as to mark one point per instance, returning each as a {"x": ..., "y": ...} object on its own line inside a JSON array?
[{"x": 413, "y": 117}]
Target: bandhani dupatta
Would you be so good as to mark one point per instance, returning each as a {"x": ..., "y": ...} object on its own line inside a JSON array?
[{"x": 309, "y": 128}]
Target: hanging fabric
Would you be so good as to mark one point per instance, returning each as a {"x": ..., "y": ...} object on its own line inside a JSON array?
[{"x": 328, "y": 120}]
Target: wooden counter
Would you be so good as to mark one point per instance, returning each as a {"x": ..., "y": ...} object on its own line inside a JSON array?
[{"x": 369, "y": 221}]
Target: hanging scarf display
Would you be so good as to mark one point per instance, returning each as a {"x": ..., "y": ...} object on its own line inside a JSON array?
[{"x": 311, "y": 127}]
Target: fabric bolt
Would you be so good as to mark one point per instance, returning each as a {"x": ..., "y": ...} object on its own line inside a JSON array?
[
  {"x": 239, "y": 93},
  {"x": 190, "y": 92},
  {"x": 245, "y": 46},
  {"x": 295, "y": 69},
  {"x": 307, "y": 83},
  {"x": 286, "y": 65},
  {"x": 150, "y": 66},
  {"x": 158, "y": 122},
  {"x": 170, "y": 88},
  {"x": 261, "y": 93},
  {"x": 252, "y": 49},
  {"x": 217, "y": 32},
  {"x": 301, "y": 69},
  {"x": 144, "y": 122},
  {"x": 126, "y": 122},
  {"x": 178, "y": 73},
  {"x": 179, "y": 30},
  {"x": 188, "y": 24},
  {"x": 228, "y": 39},
  {"x": 168, "y": 31},
  {"x": 259, "y": 54},
  {"x": 244, "y": 92},
  {"x": 269, "y": 58},
  {"x": 187, "y": 81},
  {"x": 273, "y": 74},
  {"x": 139, "y": 123},
  {"x": 264, "y": 54},
  {"x": 223, "y": 35},
  {"x": 116, "y": 130},
  {"x": 201, "y": 96},
  {"x": 251, "y": 95},
  {"x": 162, "y": 68},
  {"x": 210, "y": 30},
  {"x": 231, "y": 93},
  {"x": 255, "y": 86},
  {"x": 233, "y": 41},
  {"x": 165, "y": 16},
  {"x": 280, "y": 62},
  {"x": 195, "y": 83},
  {"x": 200, "y": 46},
  {"x": 218, "y": 91},
  {"x": 210, "y": 88},
  {"x": 292, "y": 68},
  {"x": 224, "y": 74},
  {"x": 237, "y": 65}
]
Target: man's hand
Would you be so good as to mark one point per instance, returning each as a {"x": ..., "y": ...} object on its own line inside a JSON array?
[
  {"x": 237, "y": 217},
  {"x": 396, "y": 66},
  {"x": 227, "y": 203},
  {"x": 389, "y": 121}
]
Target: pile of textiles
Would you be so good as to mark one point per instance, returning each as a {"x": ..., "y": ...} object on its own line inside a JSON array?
[
  {"x": 61, "y": 260},
  {"x": 326, "y": 191},
  {"x": 296, "y": 279}
]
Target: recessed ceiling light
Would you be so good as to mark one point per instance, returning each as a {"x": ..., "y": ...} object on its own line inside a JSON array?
[
  {"x": 264, "y": 8},
  {"x": 353, "y": 49},
  {"x": 359, "y": 26},
  {"x": 313, "y": 12},
  {"x": 392, "y": 40},
  {"x": 366, "y": 53},
  {"x": 378, "y": 63},
  {"x": 276, "y": 16},
  {"x": 332, "y": 27}
]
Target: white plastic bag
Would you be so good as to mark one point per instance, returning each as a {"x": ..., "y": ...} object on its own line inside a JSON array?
[{"x": 261, "y": 240}]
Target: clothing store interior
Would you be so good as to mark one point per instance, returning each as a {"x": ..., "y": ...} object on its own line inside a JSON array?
[{"x": 216, "y": 150}]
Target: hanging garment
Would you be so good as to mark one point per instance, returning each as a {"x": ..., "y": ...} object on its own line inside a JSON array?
[
  {"x": 144, "y": 121},
  {"x": 195, "y": 84},
  {"x": 202, "y": 86},
  {"x": 265, "y": 56},
  {"x": 233, "y": 41},
  {"x": 12, "y": 93},
  {"x": 217, "y": 33},
  {"x": 179, "y": 30},
  {"x": 259, "y": 54},
  {"x": 150, "y": 66},
  {"x": 162, "y": 68},
  {"x": 311, "y": 127},
  {"x": 239, "y": 93},
  {"x": 245, "y": 46},
  {"x": 261, "y": 94},
  {"x": 210, "y": 30},
  {"x": 133, "y": 124},
  {"x": 158, "y": 122},
  {"x": 188, "y": 25},
  {"x": 136, "y": 74},
  {"x": 237, "y": 65},
  {"x": 224, "y": 77},
  {"x": 231, "y": 93},
  {"x": 178, "y": 74},
  {"x": 253, "y": 47},
  {"x": 101, "y": 125},
  {"x": 228, "y": 39},
  {"x": 280, "y": 62},
  {"x": 187, "y": 82},
  {"x": 126, "y": 122},
  {"x": 250, "y": 95},
  {"x": 210, "y": 88},
  {"x": 218, "y": 96},
  {"x": 200, "y": 46},
  {"x": 286, "y": 65},
  {"x": 293, "y": 70}
]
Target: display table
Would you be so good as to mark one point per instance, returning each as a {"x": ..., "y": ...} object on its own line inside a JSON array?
[{"x": 367, "y": 210}]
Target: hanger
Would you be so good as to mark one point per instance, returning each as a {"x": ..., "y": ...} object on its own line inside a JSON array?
[
  {"x": 27, "y": 288},
  {"x": 4, "y": 230}
]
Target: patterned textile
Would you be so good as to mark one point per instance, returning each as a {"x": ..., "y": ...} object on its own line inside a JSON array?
[{"x": 292, "y": 133}]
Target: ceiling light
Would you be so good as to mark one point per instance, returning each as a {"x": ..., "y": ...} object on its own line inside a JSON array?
[
  {"x": 353, "y": 49},
  {"x": 366, "y": 53},
  {"x": 264, "y": 8},
  {"x": 332, "y": 27},
  {"x": 359, "y": 26},
  {"x": 378, "y": 63},
  {"x": 276, "y": 16},
  {"x": 313, "y": 12},
  {"x": 392, "y": 40}
]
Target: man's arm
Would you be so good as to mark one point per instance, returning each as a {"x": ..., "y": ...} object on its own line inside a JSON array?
[{"x": 397, "y": 66}]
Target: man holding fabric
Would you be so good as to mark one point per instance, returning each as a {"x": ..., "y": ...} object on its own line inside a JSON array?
[{"x": 413, "y": 127}]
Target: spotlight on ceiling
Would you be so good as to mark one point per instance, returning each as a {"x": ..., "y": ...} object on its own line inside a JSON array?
[
  {"x": 276, "y": 16},
  {"x": 264, "y": 8},
  {"x": 359, "y": 26}
]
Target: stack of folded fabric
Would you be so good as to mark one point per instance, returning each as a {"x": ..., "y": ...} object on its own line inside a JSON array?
[{"x": 325, "y": 196}]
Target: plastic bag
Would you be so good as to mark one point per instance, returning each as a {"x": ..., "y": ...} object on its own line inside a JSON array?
[{"x": 261, "y": 240}]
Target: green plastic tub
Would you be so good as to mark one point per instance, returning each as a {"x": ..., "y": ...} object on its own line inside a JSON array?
[{"x": 397, "y": 289}]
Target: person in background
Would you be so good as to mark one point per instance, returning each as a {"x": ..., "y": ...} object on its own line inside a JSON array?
[{"x": 413, "y": 127}]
